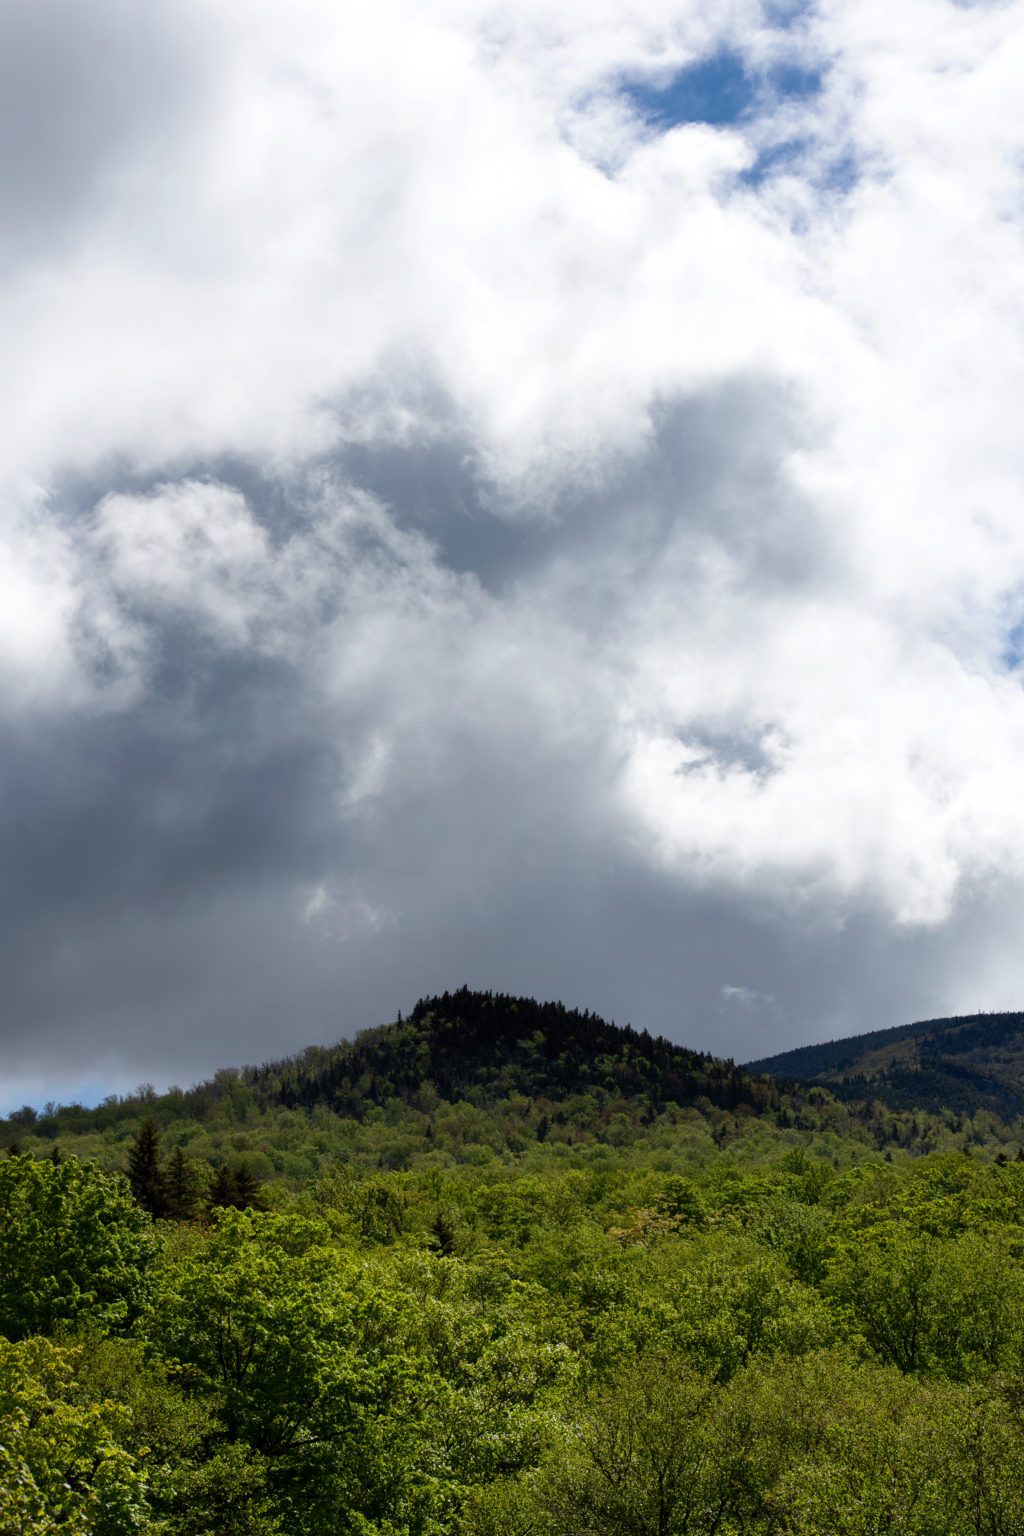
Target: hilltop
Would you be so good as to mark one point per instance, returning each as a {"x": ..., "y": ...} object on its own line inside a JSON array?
[{"x": 482, "y": 1046}]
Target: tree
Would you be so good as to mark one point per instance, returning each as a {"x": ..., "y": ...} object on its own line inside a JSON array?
[
  {"x": 144, "y": 1172},
  {"x": 223, "y": 1190},
  {"x": 181, "y": 1186},
  {"x": 236, "y": 1187},
  {"x": 73, "y": 1246},
  {"x": 303, "y": 1355},
  {"x": 652, "y": 1454},
  {"x": 248, "y": 1189},
  {"x": 62, "y": 1469}
]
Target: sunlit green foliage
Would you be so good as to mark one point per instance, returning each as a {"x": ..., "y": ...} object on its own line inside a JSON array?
[
  {"x": 73, "y": 1247},
  {"x": 63, "y": 1467}
]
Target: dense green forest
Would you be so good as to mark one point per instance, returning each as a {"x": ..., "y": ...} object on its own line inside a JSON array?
[{"x": 504, "y": 1269}]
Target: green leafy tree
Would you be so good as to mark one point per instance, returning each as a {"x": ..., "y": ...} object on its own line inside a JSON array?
[
  {"x": 650, "y": 1456},
  {"x": 195, "y": 1485},
  {"x": 924, "y": 1303},
  {"x": 303, "y": 1361},
  {"x": 62, "y": 1466},
  {"x": 73, "y": 1247}
]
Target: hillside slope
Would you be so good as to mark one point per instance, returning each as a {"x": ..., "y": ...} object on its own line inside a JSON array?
[{"x": 961, "y": 1064}]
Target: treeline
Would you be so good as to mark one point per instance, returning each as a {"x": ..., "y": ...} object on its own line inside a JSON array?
[
  {"x": 484, "y": 1046},
  {"x": 480, "y": 1046}
]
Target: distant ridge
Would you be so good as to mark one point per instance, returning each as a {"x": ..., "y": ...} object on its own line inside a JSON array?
[{"x": 960, "y": 1064}]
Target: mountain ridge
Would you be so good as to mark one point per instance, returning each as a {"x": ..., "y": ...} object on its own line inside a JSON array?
[{"x": 960, "y": 1063}]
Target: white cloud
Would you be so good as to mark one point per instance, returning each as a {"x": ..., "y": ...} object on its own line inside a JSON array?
[{"x": 192, "y": 546}]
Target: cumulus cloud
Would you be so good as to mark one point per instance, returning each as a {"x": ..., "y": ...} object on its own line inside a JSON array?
[{"x": 527, "y": 495}]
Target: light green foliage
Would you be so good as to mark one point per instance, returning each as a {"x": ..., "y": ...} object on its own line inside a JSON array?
[
  {"x": 773, "y": 1347},
  {"x": 925, "y": 1303},
  {"x": 285, "y": 1329},
  {"x": 73, "y": 1247},
  {"x": 367, "y": 1400},
  {"x": 492, "y": 1363},
  {"x": 373, "y": 1390},
  {"x": 62, "y": 1468},
  {"x": 864, "y": 1450},
  {"x": 652, "y": 1452}
]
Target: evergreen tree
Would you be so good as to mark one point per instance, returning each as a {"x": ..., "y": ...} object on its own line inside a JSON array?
[
  {"x": 223, "y": 1190},
  {"x": 144, "y": 1172},
  {"x": 181, "y": 1186},
  {"x": 443, "y": 1234},
  {"x": 238, "y": 1187},
  {"x": 248, "y": 1189}
]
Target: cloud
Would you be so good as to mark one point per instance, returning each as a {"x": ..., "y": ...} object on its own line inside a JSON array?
[{"x": 458, "y": 522}]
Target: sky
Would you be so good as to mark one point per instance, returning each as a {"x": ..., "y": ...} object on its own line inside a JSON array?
[{"x": 518, "y": 495}]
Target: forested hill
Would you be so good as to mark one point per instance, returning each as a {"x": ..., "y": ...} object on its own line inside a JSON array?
[
  {"x": 961, "y": 1064},
  {"x": 484, "y": 1046}
]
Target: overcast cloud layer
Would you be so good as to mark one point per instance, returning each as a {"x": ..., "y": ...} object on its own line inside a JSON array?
[{"x": 528, "y": 495}]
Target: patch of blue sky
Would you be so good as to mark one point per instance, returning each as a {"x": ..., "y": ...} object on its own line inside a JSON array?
[
  {"x": 717, "y": 90},
  {"x": 720, "y": 90},
  {"x": 1013, "y": 649},
  {"x": 838, "y": 174},
  {"x": 724, "y": 91}
]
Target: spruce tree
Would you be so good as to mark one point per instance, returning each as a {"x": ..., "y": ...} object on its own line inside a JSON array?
[
  {"x": 237, "y": 1186},
  {"x": 181, "y": 1186},
  {"x": 248, "y": 1189},
  {"x": 223, "y": 1190},
  {"x": 144, "y": 1172}
]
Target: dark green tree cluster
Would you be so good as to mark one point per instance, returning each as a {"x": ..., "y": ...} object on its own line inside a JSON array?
[
  {"x": 170, "y": 1189},
  {"x": 174, "y": 1187},
  {"x": 963, "y": 1064}
]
